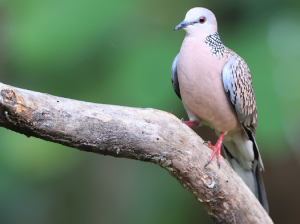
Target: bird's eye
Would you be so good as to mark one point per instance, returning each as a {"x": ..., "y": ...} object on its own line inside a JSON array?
[{"x": 202, "y": 19}]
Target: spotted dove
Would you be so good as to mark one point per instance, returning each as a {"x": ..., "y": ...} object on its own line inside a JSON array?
[{"x": 215, "y": 86}]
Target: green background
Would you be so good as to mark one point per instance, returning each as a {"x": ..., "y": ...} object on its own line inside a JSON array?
[{"x": 120, "y": 52}]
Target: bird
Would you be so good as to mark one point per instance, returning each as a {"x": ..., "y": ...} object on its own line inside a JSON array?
[{"x": 215, "y": 86}]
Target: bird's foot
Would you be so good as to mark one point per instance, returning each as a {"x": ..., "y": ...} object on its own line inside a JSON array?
[
  {"x": 170, "y": 112},
  {"x": 216, "y": 149},
  {"x": 191, "y": 124}
]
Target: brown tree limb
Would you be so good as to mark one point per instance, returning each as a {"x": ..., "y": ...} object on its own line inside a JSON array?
[{"x": 143, "y": 134}]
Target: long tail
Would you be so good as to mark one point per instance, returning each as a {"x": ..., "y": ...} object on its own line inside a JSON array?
[
  {"x": 261, "y": 192},
  {"x": 252, "y": 178}
]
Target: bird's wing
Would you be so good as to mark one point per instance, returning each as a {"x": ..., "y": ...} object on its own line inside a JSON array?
[
  {"x": 238, "y": 86},
  {"x": 174, "y": 77}
]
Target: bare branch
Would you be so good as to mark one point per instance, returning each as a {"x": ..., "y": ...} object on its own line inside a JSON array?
[{"x": 143, "y": 134}]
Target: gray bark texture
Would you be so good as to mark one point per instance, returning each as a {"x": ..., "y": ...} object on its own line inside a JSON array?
[{"x": 142, "y": 134}]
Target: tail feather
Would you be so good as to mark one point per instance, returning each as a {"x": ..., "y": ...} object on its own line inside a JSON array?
[
  {"x": 252, "y": 178},
  {"x": 261, "y": 192}
]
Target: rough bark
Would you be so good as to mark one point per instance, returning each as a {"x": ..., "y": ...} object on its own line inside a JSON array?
[{"x": 143, "y": 134}]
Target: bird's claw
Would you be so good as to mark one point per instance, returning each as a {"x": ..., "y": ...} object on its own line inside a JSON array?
[
  {"x": 206, "y": 164},
  {"x": 170, "y": 112},
  {"x": 191, "y": 124},
  {"x": 216, "y": 150},
  {"x": 208, "y": 143}
]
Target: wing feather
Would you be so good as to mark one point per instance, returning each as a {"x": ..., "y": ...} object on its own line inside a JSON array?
[
  {"x": 174, "y": 77},
  {"x": 238, "y": 86}
]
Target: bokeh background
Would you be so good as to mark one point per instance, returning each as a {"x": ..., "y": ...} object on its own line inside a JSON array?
[{"x": 120, "y": 52}]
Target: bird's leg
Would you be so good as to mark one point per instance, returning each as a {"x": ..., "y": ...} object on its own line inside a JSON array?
[
  {"x": 216, "y": 149},
  {"x": 191, "y": 124}
]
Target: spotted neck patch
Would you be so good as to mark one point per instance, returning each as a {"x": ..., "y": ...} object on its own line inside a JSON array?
[{"x": 215, "y": 44}]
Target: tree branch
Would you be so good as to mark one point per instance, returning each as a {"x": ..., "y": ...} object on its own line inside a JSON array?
[{"x": 143, "y": 134}]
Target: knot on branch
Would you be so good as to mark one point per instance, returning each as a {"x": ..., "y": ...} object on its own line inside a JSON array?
[{"x": 14, "y": 105}]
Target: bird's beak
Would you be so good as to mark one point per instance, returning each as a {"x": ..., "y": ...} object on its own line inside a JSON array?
[{"x": 182, "y": 25}]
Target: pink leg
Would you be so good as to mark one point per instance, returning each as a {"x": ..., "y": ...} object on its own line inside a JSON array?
[{"x": 216, "y": 149}]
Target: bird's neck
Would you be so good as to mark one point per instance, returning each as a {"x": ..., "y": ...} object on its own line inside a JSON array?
[
  {"x": 212, "y": 40},
  {"x": 215, "y": 44}
]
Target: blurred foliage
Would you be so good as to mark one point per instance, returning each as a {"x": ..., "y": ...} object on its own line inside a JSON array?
[{"x": 120, "y": 52}]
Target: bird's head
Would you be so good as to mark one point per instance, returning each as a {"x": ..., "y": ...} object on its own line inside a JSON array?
[{"x": 199, "y": 20}]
